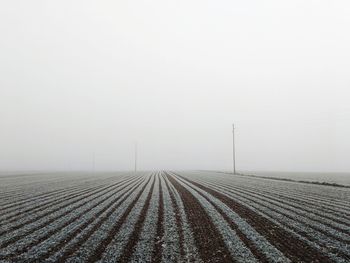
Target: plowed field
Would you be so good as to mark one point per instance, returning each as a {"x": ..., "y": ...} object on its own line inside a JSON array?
[{"x": 170, "y": 217}]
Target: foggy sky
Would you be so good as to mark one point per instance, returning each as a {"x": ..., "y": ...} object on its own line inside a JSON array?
[{"x": 79, "y": 77}]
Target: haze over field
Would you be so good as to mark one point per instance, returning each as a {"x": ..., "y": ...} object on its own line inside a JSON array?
[{"x": 95, "y": 76}]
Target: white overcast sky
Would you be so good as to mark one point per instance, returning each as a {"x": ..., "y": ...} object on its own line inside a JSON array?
[{"x": 78, "y": 77}]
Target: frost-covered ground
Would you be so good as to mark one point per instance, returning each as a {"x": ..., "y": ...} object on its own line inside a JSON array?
[
  {"x": 170, "y": 217},
  {"x": 338, "y": 178}
]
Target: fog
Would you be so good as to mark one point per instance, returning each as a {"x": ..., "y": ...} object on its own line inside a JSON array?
[{"x": 93, "y": 77}]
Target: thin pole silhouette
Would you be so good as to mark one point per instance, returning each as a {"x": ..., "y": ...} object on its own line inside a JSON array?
[{"x": 233, "y": 150}]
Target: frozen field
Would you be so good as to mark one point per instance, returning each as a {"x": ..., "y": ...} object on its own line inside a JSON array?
[
  {"x": 170, "y": 217},
  {"x": 337, "y": 178}
]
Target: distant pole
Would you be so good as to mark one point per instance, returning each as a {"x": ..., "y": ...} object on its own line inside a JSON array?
[
  {"x": 136, "y": 157},
  {"x": 233, "y": 150}
]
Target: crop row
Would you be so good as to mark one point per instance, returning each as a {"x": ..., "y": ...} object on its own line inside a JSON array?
[{"x": 172, "y": 217}]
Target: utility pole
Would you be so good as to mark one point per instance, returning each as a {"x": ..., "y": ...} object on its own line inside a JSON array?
[
  {"x": 136, "y": 157},
  {"x": 233, "y": 150}
]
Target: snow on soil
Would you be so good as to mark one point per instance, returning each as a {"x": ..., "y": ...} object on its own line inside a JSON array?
[{"x": 124, "y": 217}]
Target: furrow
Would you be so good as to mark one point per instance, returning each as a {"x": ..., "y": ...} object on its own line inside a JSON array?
[
  {"x": 340, "y": 217},
  {"x": 314, "y": 238},
  {"x": 336, "y": 200},
  {"x": 94, "y": 242},
  {"x": 306, "y": 217},
  {"x": 209, "y": 241},
  {"x": 145, "y": 244},
  {"x": 51, "y": 202},
  {"x": 188, "y": 249},
  {"x": 60, "y": 239},
  {"x": 300, "y": 251},
  {"x": 17, "y": 205},
  {"x": 258, "y": 245},
  {"x": 79, "y": 234},
  {"x": 320, "y": 236},
  {"x": 35, "y": 238},
  {"x": 48, "y": 216},
  {"x": 309, "y": 208},
  {"x": 172, "y": 244},
  {"x": 129, "y": 248},
  {"x": 159, "y": 239},
  {"x": 41, "y": 188}
]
